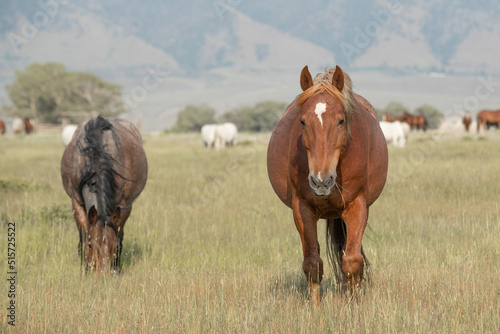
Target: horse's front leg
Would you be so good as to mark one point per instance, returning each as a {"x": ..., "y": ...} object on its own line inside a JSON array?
[
  {"x": 124, "y": 214},
  {"x": 355, "y": 215},
  {"x": 306, "y": 223},
  {"x": 81, "y": 224}
]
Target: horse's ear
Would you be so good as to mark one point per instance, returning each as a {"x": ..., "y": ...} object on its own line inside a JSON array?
[
  {"x": 306, "y": 80},
  {"x": 115, "y": 215},
  {"x": 338, "y": 78},
  {"x": 92, "y": 215}
]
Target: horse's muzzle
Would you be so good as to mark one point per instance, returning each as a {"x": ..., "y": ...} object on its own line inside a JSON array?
[{"x": 322, "y": 186}]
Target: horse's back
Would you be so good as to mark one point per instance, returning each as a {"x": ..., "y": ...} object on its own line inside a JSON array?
[
  {"x": 493, "y": 116},
  {"x": 123, "y": 144},
  {"x": 130, "y": 156}
]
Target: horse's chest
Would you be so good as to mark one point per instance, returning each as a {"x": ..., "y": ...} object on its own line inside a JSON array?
[{"x": 328, "y": 207}]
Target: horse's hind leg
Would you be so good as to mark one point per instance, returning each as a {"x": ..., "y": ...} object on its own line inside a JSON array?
[
  {"x": 306, "y": 223},
  {"x": 355, "y": 215}
]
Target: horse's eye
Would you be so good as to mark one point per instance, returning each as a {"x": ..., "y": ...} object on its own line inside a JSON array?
[
  {"x": 341, "y": 122},
  {"x": 302, "y": 122},
  {"x": 90, "y": 245}
]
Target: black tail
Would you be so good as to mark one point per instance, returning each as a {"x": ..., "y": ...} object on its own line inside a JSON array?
[{"x": 336, "y": 237}]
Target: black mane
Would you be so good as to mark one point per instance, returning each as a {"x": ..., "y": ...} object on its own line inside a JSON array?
[{"x": 99, "y": 173}]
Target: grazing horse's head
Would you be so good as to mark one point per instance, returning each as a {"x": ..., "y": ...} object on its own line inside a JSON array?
[
  {"x": 102, "y": 244},
  {"x": 326, "y": 106}
]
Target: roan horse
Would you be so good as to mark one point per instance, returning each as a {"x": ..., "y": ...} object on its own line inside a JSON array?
[
  {"x": 327, "y": 159},
  {"x": 104, "y": 168},
  {"x": 2, "y": 127},
  {"x": 487, "y": 118}
]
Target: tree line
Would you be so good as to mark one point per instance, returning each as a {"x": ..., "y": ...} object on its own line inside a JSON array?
[
  {"x": 46, "y": 91},
  {"x": 264, "y": 116}
]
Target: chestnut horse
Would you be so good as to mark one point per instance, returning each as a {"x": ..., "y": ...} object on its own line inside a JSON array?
[
  {"x": 2, "y": 127},
  {"x": 327, "y": 159},
  {"x": 467, "y": 120},
  {"x": 103, "y": 169},
  {"x": 415, "y": 122},
  {"x": 388, "y": 117},
  {"x": 487, "y": 118},
  {"x": 28, "y": 127}
]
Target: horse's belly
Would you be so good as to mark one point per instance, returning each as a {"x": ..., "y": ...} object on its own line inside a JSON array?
[{"x": 277, "y": 169}]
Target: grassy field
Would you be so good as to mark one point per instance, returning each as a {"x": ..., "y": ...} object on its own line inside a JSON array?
[{"x": 210, "y": 248}]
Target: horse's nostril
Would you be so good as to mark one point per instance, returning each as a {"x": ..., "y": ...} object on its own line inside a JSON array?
[
  {"x": 329, "y": 180},
  {"x": 313, "y": 180}
]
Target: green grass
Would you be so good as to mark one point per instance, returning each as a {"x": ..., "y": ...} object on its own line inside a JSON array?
[{"x": 210, "y": 248}]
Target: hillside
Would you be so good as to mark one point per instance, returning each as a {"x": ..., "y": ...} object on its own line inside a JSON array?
[{"x": 230, "y": 53}]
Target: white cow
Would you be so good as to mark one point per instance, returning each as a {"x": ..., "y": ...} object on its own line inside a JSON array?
[
  {"x": 67, "y": 134},
  {"x": 394, "y": 133}
]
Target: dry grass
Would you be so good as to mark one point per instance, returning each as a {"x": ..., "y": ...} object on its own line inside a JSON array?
[{"x": 210, "y": 248}]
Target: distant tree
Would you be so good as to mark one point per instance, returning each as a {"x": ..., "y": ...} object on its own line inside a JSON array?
[
  {"x": 432, "y": 115},
  {"x": 379, "y": 113},
  {"x": 192, "y": 118},
  {"x": 268, "y": 114},
  {"x": 93, "y": 93},
  {"x": 262, "y": 117},
  {"x": 241, "y": 117},
  {"x": 395, "y": 109},
  {"x": 44, "y": 91}
]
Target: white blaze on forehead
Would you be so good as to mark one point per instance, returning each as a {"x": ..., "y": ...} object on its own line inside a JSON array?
[{"x": 320, "y": 109}]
